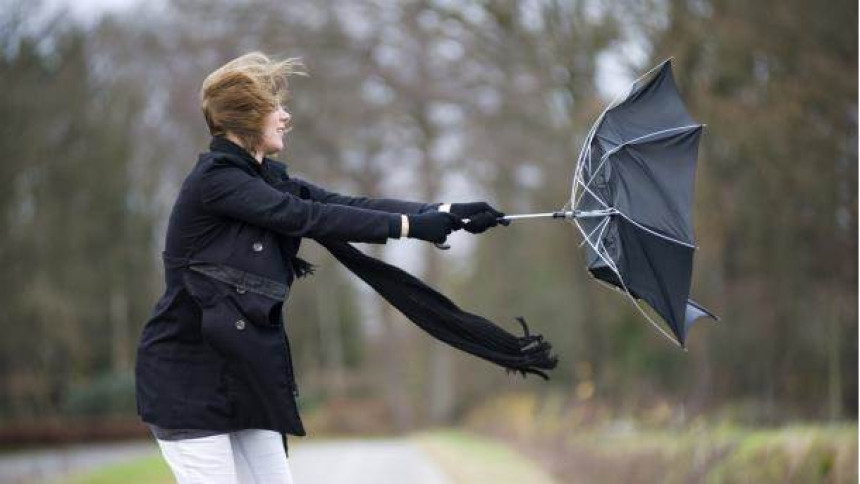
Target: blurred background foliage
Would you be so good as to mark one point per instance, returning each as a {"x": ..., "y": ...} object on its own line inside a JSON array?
[{"x": 436, "y": 100}]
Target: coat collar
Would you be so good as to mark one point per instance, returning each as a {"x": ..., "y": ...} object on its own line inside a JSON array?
[{"x": 224, "y": 145}]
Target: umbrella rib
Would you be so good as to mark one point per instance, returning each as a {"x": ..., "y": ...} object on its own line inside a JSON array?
[
  {"x": 602, "y": 202},
  {"x": 607, "y": 260},
  {"x": 650, "y": 320},
  {"x": 584, "y": 153},
  {"x": 578, "y": 181},
  {"x": 652, "y": 232},
  {"x": 655, "y": 133},
  {"x": 605, "y": 221},
  {"x": 600, "y": 238},
  {"x": 600, "y": 235}
]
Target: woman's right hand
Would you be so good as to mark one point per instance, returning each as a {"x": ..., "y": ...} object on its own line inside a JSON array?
[{"x": 433, "y": 226}]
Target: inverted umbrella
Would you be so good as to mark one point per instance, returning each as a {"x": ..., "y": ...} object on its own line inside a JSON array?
[{"x": 632, "y": 198}]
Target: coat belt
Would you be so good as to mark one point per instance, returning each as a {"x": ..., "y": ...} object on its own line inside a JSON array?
[{"x": 242, "y": 280}]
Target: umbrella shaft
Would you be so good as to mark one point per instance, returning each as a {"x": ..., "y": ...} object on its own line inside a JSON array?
[{"x": 565, "y": 215}]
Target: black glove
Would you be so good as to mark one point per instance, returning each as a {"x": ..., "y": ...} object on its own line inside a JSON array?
[
  {"x": 480, "y": 214},
  {"x": 433, "y": 226}
]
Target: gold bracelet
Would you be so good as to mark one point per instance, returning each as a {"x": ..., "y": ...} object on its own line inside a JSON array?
[{"x": 404, "y": 226}]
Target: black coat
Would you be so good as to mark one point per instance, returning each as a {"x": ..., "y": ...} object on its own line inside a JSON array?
[{"x": 214, "y": 354}]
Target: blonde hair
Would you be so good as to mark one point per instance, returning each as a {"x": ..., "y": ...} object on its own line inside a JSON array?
[{"x": 238, "y": 95}]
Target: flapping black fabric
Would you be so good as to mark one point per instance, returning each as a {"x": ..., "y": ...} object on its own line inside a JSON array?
[{"x": 442, "y": 319}]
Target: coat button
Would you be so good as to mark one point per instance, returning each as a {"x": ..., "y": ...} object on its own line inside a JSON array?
[
  {"x": 258, "y": 246},
  {"x": 240, "y": 324}
]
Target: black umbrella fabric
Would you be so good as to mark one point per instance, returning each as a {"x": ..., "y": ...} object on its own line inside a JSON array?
[{"x": 632, "y": 199}]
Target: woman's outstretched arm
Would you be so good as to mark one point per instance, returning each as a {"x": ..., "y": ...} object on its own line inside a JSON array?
[
  {"x": 229, "y": 190},
  {"x": 391, "y": 205}
]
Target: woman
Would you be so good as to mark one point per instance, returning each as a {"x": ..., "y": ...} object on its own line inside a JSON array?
[{"x": 214, "y": 375}]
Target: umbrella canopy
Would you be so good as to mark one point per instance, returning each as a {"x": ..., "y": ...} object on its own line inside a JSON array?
[{"x": 632, "y": 199}]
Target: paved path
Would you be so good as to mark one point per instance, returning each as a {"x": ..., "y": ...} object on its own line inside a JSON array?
[
  {"x": 362, "y": 461},
  {"x": 335, "y": 461}
]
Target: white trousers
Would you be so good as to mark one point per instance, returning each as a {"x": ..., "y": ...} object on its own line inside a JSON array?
[{"x": 252, "y": 456}]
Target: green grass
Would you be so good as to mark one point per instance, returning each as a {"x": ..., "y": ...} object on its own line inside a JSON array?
[
  {"x": 793, "y": 453},
  {"x": 469, "y": 458},
  {"x": 722, "y": 454}
]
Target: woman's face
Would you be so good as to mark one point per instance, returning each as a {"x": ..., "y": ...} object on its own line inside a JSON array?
[{"x": 275, "y": 125}]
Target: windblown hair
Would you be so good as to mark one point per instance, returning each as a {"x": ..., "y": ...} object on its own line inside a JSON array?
[{"x": 237, "y": 96}]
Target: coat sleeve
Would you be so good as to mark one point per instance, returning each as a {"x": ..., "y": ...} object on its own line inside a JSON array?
[
  {"x": 228, "y": 190},
  {"x": 391, "y": 205}
]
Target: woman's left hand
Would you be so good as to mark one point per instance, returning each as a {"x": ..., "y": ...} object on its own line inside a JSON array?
[{"x": 481, "y": 216}]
